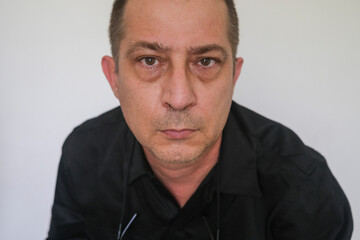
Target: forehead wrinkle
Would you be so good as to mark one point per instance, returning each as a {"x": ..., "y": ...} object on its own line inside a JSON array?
[
  {"x": 154, "y": 46},
  {"x": 208, "y": 48}
]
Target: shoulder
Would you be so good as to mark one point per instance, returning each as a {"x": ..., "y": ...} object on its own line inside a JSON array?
[
  {"x": 107, "y": 119},
  {"x": 297, "y": 185},
  {"x": 275, "y": 143},
  {"x": 92, "y": 139},
  {"x": 283, "y": 162}
]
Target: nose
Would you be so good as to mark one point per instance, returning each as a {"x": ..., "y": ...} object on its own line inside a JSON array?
[{"x": 178, "y": 90}]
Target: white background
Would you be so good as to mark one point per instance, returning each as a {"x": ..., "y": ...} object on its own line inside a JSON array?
[{"x": 301, "y": 68}]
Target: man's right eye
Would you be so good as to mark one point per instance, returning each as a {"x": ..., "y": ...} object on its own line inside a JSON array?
[{"x": 149, "y": 61}]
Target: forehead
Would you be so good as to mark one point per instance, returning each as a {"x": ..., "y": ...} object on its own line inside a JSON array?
[{"x": 176, "y": 23}]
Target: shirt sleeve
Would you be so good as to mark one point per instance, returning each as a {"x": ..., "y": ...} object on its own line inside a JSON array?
[
  {"x": 66, "y": 222},
  {"x": 316, "y": 209}
]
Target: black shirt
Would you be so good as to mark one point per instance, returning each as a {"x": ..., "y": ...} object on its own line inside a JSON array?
[{"x": 270, "y": 186}]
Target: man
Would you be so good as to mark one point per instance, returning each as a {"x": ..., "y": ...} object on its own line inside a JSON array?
[{"x": 179, "y": 159}]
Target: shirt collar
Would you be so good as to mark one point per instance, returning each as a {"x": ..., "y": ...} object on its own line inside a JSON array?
[
  {"x": 238, "y": 170},
  {"x": 140, "y": 166}
]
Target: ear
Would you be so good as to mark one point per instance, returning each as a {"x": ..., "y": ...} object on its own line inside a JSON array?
[
  {"x": 238, "y": 65},
  {"x": 108, "y": 67}
]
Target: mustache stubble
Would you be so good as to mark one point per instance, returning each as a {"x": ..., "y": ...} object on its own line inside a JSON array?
[{"x": 178, "y": 119}]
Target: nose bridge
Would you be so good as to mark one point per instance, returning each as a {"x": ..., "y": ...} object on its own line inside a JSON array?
[{"x": 178, "y": 88}]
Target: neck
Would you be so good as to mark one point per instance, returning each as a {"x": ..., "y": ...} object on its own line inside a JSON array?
[{"x": 183, "y": 180}]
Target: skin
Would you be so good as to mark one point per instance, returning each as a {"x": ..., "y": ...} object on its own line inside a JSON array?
[{"x": 175, "y": 84}]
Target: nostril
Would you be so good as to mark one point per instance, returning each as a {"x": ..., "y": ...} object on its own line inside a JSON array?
[
  {"x": 171, "y": 108},
  {"x": 178, "y": 98}
]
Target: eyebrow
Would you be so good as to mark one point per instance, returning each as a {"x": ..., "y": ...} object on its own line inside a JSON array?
[
  {"x": 208, "y": 48},
  {"x": 154, "y": 46},
  {"x": 158, "y": 47}
]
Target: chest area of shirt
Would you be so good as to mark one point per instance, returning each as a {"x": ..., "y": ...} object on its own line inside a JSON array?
[{"x": 159, "y": 217}]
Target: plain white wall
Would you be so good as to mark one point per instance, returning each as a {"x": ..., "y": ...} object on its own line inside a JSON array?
[{"x": 301, "y": 69}]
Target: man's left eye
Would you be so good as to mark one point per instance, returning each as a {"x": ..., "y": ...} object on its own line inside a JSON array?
[{"x": 207, "y": 62}]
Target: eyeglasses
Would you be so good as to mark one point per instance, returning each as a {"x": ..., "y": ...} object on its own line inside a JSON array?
[
  {"x": 121, "y": 232},
  {"x": 209, "y": 230}
]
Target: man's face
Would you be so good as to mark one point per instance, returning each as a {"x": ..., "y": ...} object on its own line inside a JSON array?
[{"x": 176, "y": 77}]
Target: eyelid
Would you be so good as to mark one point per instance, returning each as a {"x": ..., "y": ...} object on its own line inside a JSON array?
[
  {"x": 142, "y": 59},
  {"x": 214, "y": 59}
]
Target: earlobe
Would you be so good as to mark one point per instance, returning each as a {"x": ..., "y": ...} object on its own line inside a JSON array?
[
  {"x": 238, "y": 65},
  {"x": 108, "y": 67}
]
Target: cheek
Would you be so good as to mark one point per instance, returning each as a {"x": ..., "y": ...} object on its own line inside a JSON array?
[
  {"x": 138, "y": 101},
  {"x": 215, "y": 100},
  {"x": 218, "y": 94}
]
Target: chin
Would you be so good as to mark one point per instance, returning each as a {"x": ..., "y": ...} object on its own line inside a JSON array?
[{"x": 179, "y": 155}]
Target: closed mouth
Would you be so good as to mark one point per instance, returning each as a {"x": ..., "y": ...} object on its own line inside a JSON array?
[{"x": 177, "y": 134}]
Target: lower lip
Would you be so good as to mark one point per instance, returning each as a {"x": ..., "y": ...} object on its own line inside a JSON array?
[{"x": 178, "y": 135}]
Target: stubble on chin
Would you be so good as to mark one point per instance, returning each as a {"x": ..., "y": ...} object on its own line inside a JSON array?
[{"x": 178, "y": 156}]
